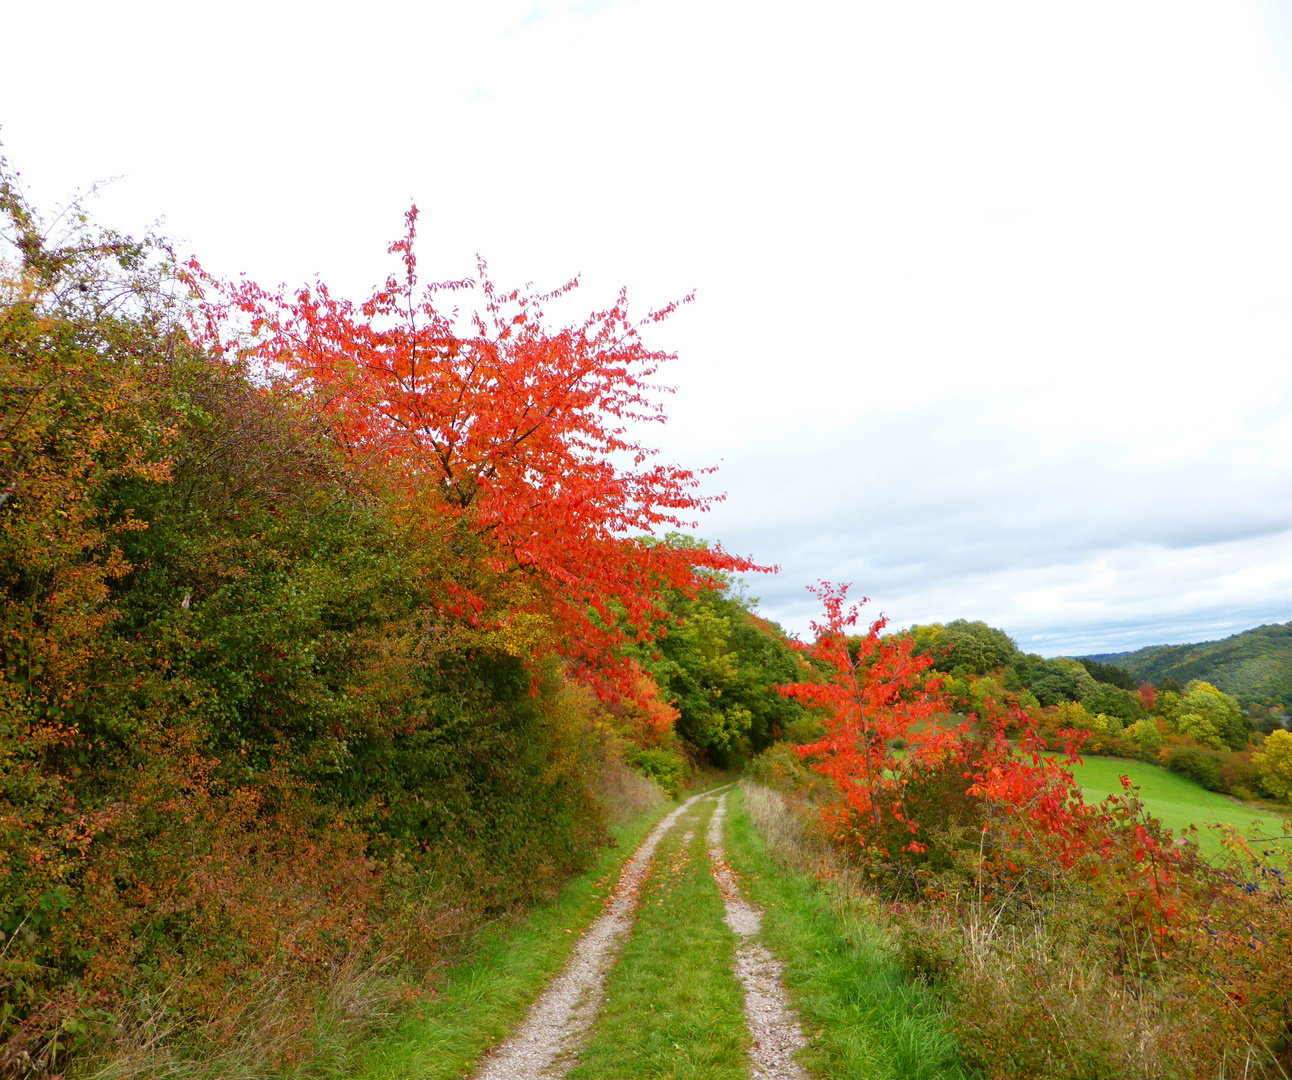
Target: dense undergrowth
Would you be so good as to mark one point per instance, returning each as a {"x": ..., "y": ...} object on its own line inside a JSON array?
[
  {"x": 478, "y": 1002},
  {"x": 242, "y": 756}
]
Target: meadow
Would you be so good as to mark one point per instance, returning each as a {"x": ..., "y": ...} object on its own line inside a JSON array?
[{"x": 1176, "y": 801}]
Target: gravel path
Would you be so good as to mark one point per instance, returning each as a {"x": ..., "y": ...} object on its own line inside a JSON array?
[
  {"x": 560, "y": 1018},
  {"x": 773, "y": 1024}
]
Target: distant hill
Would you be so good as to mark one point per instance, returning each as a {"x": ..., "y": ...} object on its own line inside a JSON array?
[{"x": 1255, "y": 666}]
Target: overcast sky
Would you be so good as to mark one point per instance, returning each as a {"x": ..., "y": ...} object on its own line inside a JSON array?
[{"x": 994, "y": 301}]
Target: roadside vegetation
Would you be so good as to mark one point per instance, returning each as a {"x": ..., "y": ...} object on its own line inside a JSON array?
[
  {"x": 1065, "y": 938},
  {"x": 475, "y": 1004},
  {"x": 291, "y": 705}
]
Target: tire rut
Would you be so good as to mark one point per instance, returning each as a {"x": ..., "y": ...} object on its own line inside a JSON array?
[
  {"x": 559, "y": 1020},
  {"x": 773, "y": 1024}
]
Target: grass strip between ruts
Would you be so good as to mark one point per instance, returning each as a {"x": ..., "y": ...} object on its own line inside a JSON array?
[
  {"x": 486, "y": 999},
  {"x": 674, "y": 1009},
  {"x": 863, "y": 1017}
]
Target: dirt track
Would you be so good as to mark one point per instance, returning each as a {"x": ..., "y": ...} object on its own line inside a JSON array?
[
  {"x": 547, "y": 1044},
  {"x": 560, "y": 1018}
]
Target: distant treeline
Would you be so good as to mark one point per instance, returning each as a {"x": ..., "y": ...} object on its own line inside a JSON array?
[
  {"x": 1255, "y": 667},
  {"x": 982, "y": 661},
  {"x": 1194, "y": 728}
]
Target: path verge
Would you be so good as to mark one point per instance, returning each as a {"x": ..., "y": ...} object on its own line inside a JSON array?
[
  {"x": 864, "y": 1019},
  {"x": 478, "y": 1003}
]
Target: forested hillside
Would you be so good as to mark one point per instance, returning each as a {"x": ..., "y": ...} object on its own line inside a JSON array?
[{"x": 1255, "y": 666}]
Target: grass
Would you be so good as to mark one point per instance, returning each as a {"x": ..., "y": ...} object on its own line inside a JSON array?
[
  {"x": 867, "y": 1018},
  {"x": 480, "y": 1002},
  {"x": 673, "y": 1009},
  {"x": 1175, "y": 800}
]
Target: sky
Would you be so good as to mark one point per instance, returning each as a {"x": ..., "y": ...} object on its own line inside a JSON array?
[{"x": 993, "y": 310}]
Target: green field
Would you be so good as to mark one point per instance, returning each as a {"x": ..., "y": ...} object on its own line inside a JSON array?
[{"x": 1175, "y": 800}]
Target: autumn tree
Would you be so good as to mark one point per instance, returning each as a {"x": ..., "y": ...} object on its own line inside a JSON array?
[
  {"x": 235, "y": 749},
  {"x": 880, "y": 694},
  {"x": 879, "y": 690},
  {"x": 1275, "y": 765},
  {"x": 504, "y": 427},
  {"x": 1211, "y": 717}
]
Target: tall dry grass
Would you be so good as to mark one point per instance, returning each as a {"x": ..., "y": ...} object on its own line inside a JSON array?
[
  {"x": 271, "y": 1032},
  {"x": 289, "y": 1022},
  {"x": 1038, "y": 995},
  {"x": 625, "y": 794},
  {"x": 788, "y": 835}
]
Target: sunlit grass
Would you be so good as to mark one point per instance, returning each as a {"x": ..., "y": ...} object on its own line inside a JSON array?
[{"x": 1175, "y": 800}]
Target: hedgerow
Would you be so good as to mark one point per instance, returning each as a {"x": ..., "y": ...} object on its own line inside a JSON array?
[{"x": 252, "y": 746}]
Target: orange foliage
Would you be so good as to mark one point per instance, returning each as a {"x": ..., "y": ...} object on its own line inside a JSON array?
[
  {"x": 643, "y": 716},
  {"x": 879, "y": 692},
  {"x": 511, "y": 428}
]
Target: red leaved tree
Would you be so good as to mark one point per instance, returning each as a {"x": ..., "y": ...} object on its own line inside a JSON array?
[
  {"x": 1148, "y": 694},
  {"x": 876, "y": 692},
  {"x": 503, "y": 425}
]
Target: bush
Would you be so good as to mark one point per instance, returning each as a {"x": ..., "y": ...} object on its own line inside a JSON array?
[
  {"x": 779, "y": 767},
  {"x": 626, "y": 793},
  {"x": 666, "y": 767},
  {"x": 244, "y": 747},
  {"x": 1096, "y": 968},
  {"x": 803, "y": 729},
  {"x": 929, "y": 953},
  {"x": 1199, "y": 763}
]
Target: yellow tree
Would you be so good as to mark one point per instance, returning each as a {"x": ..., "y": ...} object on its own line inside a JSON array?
[{"x": 1275, "y": 765}]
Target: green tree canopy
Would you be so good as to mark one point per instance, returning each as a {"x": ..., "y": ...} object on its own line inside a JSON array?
[
  {"x": 972, "y": 646},
  {"x": 719, "y": 667}
]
